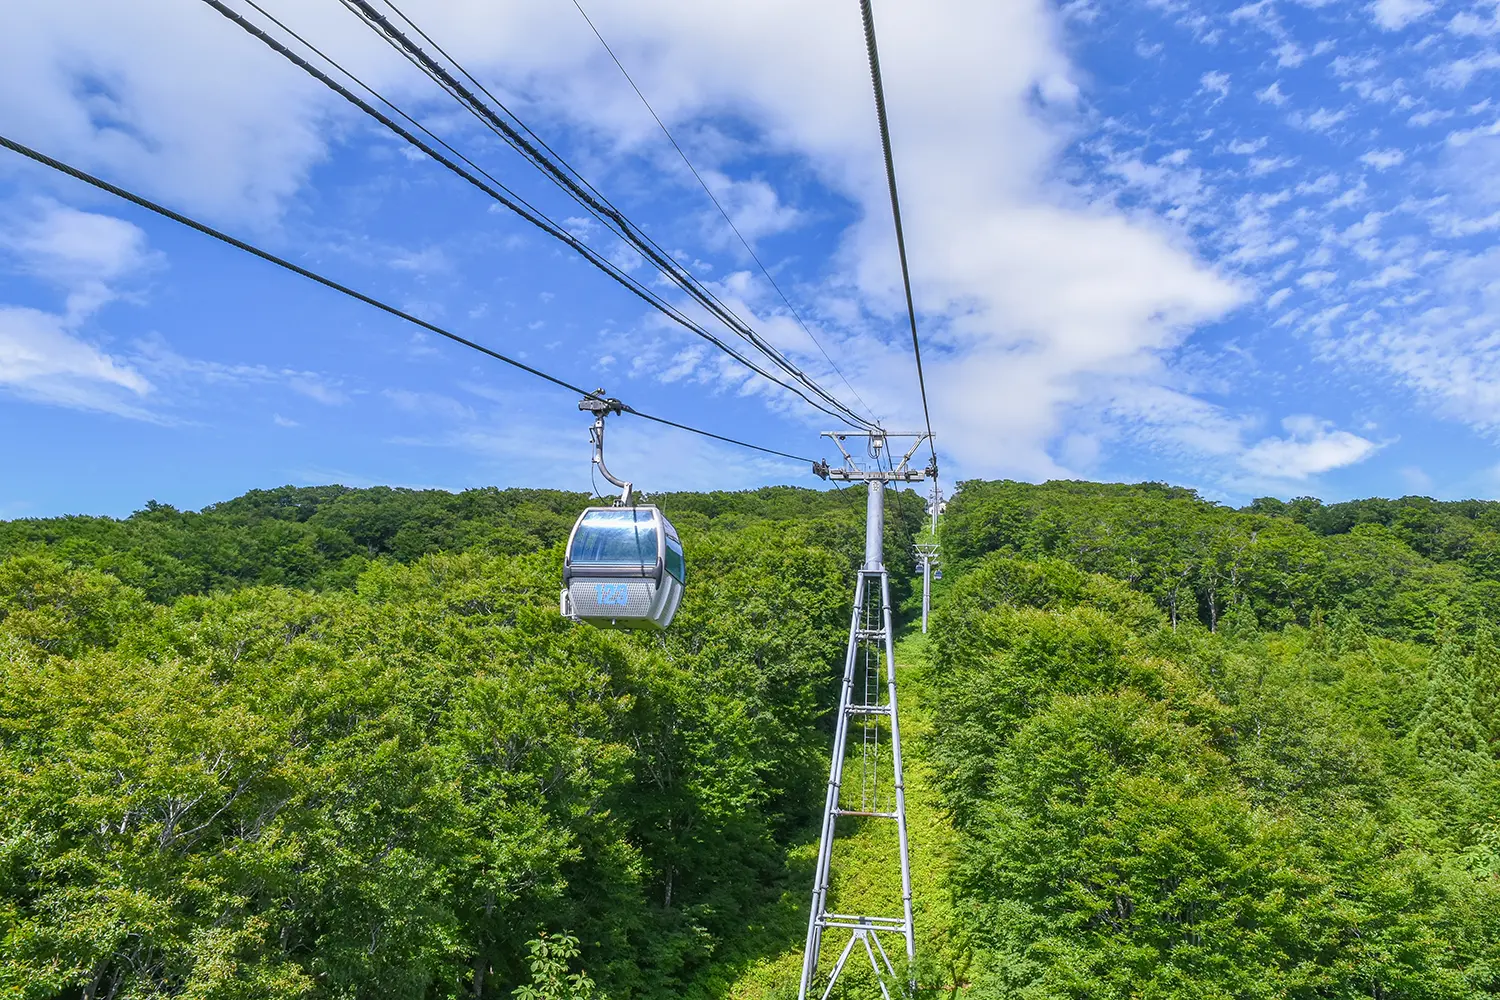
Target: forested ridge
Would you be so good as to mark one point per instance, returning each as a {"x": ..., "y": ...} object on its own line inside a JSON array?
[
  {"x": 329, "y": 742},
  {"x": 388, "y": 779},
  {"x": 1196, "y": 752}
]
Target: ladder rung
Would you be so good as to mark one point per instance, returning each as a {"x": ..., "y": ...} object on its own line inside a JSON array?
[
  {"x": 846, "y": 919},
  {"x": 857, "y": 812}
]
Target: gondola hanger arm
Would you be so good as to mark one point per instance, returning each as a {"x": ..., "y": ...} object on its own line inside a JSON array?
[{"x": 601, "y": 406}]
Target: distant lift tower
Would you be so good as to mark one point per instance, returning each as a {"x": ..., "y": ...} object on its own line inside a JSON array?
[
  {"x": 870, "y": 643},
  {"x": 928, "y": 553}
]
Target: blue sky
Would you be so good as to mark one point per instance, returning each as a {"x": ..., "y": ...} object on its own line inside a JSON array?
[{"x": 1243, "y": 248}]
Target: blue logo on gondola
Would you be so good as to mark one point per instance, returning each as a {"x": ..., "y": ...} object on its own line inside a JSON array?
[{"x": 612, "y": 593}]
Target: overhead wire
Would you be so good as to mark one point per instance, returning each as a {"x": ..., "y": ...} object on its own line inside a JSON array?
[
  {"x": 557, "y": 167},
  {"x": 486, "y": 182},
  {"x": 282, "y": 262},
  {"x": 510, "y": 198},
  {"x": 868, "y": 15},
  {"x": 509, "y": 127},
  {"x": 718, "y": 205}
]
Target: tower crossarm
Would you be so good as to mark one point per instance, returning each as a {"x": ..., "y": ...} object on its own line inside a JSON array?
[{"x": 870, "y": 471}]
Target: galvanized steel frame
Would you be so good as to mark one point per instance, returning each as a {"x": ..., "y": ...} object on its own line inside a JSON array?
[{"x": 872, "y": 577}]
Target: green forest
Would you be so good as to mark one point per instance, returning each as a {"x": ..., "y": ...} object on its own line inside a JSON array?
[{"x": 327, "y": 742}]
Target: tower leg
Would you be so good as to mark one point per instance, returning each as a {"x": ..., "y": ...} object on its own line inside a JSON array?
[
  {"x": 900, "y": 772},
  {"x": 831, "y": 800},
  {"x": 861, "y": 927}
]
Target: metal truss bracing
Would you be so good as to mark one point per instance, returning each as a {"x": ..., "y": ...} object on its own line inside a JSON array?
[
  {"x": 868, "y": 711},
  {"x": 860, "y": 704}
]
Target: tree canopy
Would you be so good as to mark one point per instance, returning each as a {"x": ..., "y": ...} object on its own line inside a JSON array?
[
  {"x": 322, "y": 742},
  {"x": 1197, "y": 752}
]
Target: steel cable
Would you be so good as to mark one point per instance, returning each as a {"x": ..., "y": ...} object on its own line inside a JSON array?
[
  {"x": 509, "y": 126},
  {"x": 868, "y": 15},
  {"x": 714, "y": 198},
  {"x": 496, "y": 190},
  {"x": 266, "y": 255}
]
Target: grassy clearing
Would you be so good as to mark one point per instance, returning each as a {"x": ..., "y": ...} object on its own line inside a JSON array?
[{"x": 866, "y": 877}]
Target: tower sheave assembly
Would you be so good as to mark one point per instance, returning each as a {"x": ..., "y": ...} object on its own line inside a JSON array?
[{"x": 869, "y": 659}]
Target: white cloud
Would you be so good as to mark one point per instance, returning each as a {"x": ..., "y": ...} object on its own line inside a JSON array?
[
  {"x": 1311, "y": 447},
  {"x": 1320, "y": 120},
  {"x": 43, "y": 355},
  {"x": 164, "y": 97},
  {"x": 1171, "y": 421},
  {"x": 42, "y": 358},
  {"x": 1290, "y": 55},
  {"x": 753, "y": 205},
  {"x": 1351, "y": 196},
  {"x": 1465, "y": 23},
  {"x": 1392, "y": 15},
  {"x": 1323, "y": 184},
  {"x": 429, "y": 404},
  {"x": 1261, "y": 13},
  {"x": 1168, "y": 182},
  {"x": 1391, "y": 274},
  {"x": 67, "y": 246},
  {"x": 1260, "y": 165},
  {"x": 1024, "y": 284},
  {"x": 84, "y": 253},
  {"x": 155, "y": 357},
  {"x": 1272, "y": 94},
  {"x": 1448, "y": 351},
  {"x": 429, "y": 260},
  {"x": 1383, "y": 159},
  {"x": 1459, "y": 72},
  {"x": 1215, "y": 83},
  {"x": 683, "y": 364},
  {"x": 1429, "y": 117},
  {"x": 514, "y": 436},
  {"x": 1472, "y": 173},
  {"x": 1416, "y": 480}
]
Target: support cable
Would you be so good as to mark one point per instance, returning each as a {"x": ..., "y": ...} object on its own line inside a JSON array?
[
  {"x": 573, "y": 183},
  {"x": 498, "y": 191},
  {"x": 505, "y": 124},
  {"x": 714, "y": 198},
  {"x": 868, "y": 14},
  {"x": 327, "y": 282}
]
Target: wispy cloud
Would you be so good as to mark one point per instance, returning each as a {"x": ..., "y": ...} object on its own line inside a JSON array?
[
  {"x": 1215, "y": 82},
  {"x": 42, "y": 359},
  {"x": 1320, "y": 120},
  {"x": 45, "y": 356},
  {"x": 1272, "y": 94},
  {"x": 1383, "y": 159},
  {"x": 1393, "y": 15},
  {"x": 1311, "y": 447},
  {"x": 154, "y": 356}
]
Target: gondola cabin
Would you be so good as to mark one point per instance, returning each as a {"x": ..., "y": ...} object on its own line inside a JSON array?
[{"x": 623, "y": 568}]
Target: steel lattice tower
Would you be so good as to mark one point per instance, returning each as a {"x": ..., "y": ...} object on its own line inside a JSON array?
[
  {"x": 928, "y": 553},
  {"x": 870, "y": 653}
]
